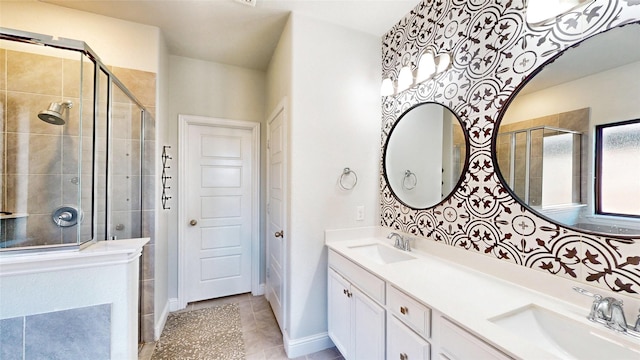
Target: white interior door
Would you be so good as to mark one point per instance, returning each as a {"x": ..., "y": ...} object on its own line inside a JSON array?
[
  {"x": 276, "y": 218},
  {"x": 218, "y": 211}
]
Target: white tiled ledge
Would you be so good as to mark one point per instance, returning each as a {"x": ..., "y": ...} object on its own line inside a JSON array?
[
  {"x": 13, "y": 216},
  {"x": 471, "y": 288},
  {"x": 101, "y": 253}
]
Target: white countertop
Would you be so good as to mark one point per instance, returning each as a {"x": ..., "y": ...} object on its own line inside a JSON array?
[
  {"x": 464, "y": 295},
  {"x": 98, "y": 254}
]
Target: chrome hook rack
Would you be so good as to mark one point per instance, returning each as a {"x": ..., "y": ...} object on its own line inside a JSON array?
[{"x": 165, "y": 159}]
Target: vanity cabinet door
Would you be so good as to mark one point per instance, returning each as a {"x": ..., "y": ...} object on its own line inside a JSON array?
[
  {"x": 404, "y": 344},
  {"x": 339, "y": 306},
  {"x": 369, "y": 327},
  {"x": 356, "y": 322}
]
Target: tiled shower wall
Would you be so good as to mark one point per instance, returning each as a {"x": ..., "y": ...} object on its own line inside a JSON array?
[
  {"x": 142, "y": 85},
  {"x": 41, "y": 179},
  {"x": 493, "y": 52},
  {"x": 41, "y": 168}
]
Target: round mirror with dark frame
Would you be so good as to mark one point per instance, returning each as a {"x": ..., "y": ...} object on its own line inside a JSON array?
[
  {"x": 425, "y": 155},
  {"x": 550, "y": 149}
]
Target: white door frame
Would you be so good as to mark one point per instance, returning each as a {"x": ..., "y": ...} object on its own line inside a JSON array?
[{"x": 183, "y": 122}]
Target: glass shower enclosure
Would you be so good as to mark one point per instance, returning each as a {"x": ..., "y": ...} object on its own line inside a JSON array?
[
  {"x": 71, "y": 146},
  {"x": 542, "y": 165}
]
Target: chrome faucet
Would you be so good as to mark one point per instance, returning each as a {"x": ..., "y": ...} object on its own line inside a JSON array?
[
  {"x": 617, "y": 320},
  {"x": 407, "y": 244},
  {"x": 610, "y": 312},
  {"x": 400, "y": 242}
]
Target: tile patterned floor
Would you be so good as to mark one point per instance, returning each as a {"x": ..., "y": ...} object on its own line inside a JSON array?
[{"x": 261, "y": 334}]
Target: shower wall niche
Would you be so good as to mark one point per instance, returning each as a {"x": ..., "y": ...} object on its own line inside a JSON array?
[{"x": 71, "y": 147}]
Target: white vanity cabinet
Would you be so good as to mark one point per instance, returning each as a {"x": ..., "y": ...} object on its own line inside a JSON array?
[
  {"x": 356, "y": 314},
  {"x": 371, "y": 319}
]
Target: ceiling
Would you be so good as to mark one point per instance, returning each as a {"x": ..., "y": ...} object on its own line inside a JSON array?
[{"x": 229, "y": 32}]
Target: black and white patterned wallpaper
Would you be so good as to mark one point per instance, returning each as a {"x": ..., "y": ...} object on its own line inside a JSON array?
[{"x": 493, "y": 51}]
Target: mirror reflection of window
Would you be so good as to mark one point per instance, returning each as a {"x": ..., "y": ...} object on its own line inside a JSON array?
[
  {"x": 586, "y": 87},
  {"x": 618, "y": 159}
]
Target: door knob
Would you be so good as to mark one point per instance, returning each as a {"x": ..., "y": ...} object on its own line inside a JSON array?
[
  {"x": 279, "y": 234},
  {"x": 193, "y": 222}
]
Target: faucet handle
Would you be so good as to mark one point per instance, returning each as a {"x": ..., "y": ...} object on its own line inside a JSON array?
[
  {"x": 597, "y": 300},
  {"x": 585, "y": 292},
  {"x": 407, "y": 244}
]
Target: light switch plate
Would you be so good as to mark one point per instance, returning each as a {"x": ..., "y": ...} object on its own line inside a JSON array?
[{"x": 360, "y": 213}]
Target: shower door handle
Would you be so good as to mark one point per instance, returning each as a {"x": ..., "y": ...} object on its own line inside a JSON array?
[{"x": 193, "y": 222}]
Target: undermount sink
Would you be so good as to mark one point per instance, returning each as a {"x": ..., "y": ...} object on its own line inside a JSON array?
[
  {"x": 381, "y": 254},
  {"x": 565, "y": 337}
]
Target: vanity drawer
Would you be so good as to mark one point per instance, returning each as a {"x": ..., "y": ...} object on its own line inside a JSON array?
[
  {"x": 458, "y": 343},
  {"x": 410, "y": 311},
  {"x": 368, "y": 283},
  {"x": 404, "y": 344}
]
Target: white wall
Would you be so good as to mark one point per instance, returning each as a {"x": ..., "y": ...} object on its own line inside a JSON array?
[
  {"x": 204, "y": 88},
  {"x": 334, "y": 123},
  {"x": 161, "y": 256},
  {"x": 117, "y": 42},
  {"x": 610, "y": 103},
  {"x": 279, "y": 76}
]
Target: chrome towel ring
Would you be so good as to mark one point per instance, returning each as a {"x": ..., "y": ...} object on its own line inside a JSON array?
[
  {"x": 348, "y": 179},
  {"x": 410, "y": 180}
]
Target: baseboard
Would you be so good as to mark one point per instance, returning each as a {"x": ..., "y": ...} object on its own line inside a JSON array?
[
  {"x": 259, "y": 291},
  {"x": 174, "y": 305},
  {"x": 306, "y": 345},
  {"x": 157, "y": 331}
]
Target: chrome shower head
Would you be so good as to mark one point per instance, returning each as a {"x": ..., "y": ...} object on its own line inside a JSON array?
[{"x": 53, "y": 115}]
